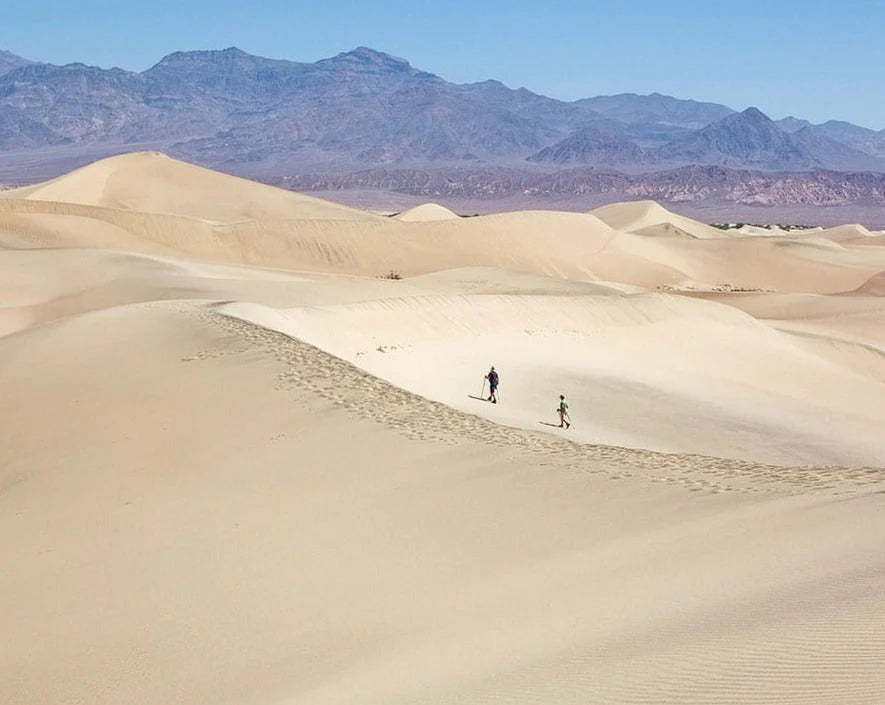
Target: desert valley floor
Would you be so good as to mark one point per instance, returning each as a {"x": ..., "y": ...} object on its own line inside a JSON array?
[{"x": 242, "y": 457}]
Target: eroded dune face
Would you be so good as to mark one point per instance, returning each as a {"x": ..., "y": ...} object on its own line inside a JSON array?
[{"x": 245, "y": 455}]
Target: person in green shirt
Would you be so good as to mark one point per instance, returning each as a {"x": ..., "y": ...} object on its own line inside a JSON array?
[{"x": 564, "y": 419}]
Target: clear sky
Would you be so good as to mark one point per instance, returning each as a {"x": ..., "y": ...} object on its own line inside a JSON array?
[{"x": 816, "y": 60}]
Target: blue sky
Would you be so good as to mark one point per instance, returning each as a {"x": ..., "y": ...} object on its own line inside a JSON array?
[{"x": 811, "y": 59}]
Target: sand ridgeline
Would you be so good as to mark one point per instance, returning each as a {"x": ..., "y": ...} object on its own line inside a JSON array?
[
  {"x": 241, "y": 460},
  {"x": 426, "y": 212},
  {"x": 151, "y": 182}
]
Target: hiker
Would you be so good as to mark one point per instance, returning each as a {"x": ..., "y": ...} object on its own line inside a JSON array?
[
  {"x": 563, "y": 412},
  {"x": 492, "y": 377}
]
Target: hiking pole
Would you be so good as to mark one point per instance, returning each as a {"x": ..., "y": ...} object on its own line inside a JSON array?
[{"x": 482, "y": 394}]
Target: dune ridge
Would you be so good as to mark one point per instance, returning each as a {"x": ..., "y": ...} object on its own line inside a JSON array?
[
  {"x": 650, "y": 218},
  {"x": 425, "y": 212},
  {"x": 151, "y": 182}
]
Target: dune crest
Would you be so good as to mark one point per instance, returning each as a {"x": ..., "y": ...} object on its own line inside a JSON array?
[
  {"x": 650, "y": 218},
  {"x": 151, "y": 182},
  {"x": 426, "y": 212}
]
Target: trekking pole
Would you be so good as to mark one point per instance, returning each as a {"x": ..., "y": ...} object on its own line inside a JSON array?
[{"x": 482, "y": 394}]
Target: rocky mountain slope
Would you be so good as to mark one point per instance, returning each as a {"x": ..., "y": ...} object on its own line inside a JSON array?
[
  {"x": 9, "y": 61},
  {"x": 740, "y": 140},
  {"x": 364, "y": 108},
  {"x": 751, "y": 139},
  {"x": 656, "y": 108}
]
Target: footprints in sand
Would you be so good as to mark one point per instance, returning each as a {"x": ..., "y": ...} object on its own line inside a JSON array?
[
  {"x": 418, "y": 418},
  {"x": 209, "y": 354}
]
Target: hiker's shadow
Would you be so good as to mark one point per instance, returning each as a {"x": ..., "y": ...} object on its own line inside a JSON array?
[
  {"x": 544, "y": 423},
  {"x": 470, "y": 396}
]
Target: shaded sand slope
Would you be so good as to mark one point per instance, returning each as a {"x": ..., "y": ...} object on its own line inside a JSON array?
[
  {"x": 40, "y": 285},
  {"x": 546, "y": 243},
  {"x": 649, "y": 371},
  {"x": 151, "y": 182},
  {"x": 858, "y": 317},
  {"x": 874, "y": 286},
  {"x": 795, "y": 264},
  {"x": 650, "y": 218},
  {"x": 842, "y": 233},
  {"x": 565, "y": 245},
  {"x": 183, "y": 524},
  {"x": 848, "y": 330}
]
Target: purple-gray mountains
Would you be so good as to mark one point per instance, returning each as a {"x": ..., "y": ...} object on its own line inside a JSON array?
[{"x": 365, "y": 110}]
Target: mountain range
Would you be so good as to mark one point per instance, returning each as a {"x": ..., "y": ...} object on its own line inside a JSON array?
[
  {"x": 365, "y": 108},
  {"x": 366, "y": 116},
  {"x": 688, "y": 184}
]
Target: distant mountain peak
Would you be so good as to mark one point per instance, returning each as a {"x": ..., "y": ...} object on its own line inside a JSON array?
[
  {"x": 594, "y": 144},
  {"x": 228, "y": 54},
  {"x": 838, "y": 123},
  {"x": 10, "y": 62},
  {"x": 751, "y": 138},
  {"x": 754, "y": 113},
  {"x": 656, "y": 108},
  {"x": 491, "y": 82},
  {"x": 9, "y": 55},
  {"x": 369, "y": 57},
  {"x": 791, "y": 123}
]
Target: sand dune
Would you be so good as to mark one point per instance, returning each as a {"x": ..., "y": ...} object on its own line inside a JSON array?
[
  {"x": 425, "y": 212},
  {"x": 842, "y": 233},
  {"x": 233, "y": 548},
  {"x": 759, "y": 231},
  {"x": 738, "y": 389},
  {"x": 565, "y": 245},
  {"x": 151, "y": 182},
  {"x": 197, "y": 507},
  {"x": 650, "y": 218},
  {"x": 874, "y": 286}
]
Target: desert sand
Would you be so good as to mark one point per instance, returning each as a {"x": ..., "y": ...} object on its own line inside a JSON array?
[
  {"x": 425, "y": 212},
  {"x": 245, "y": 456}
]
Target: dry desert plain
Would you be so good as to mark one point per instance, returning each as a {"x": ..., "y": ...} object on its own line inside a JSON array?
[{"x": 239, "y": 463}]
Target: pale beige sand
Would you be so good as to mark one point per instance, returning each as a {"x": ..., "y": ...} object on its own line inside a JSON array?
[
  {"x": 650, "y": 218},
  {"x": 645, "y": 371},
  {"x": 151, "y": 182},
  {"x": 274, "y": 228},
  {"x": 842, "y": 233},
  {"x": 185, "y": 525},
  {"x": 757, "y": 231},
  {"x": 874, "y": 286},
  {"x": 197, "y": 509},
  {"x": 425, "y": 212}
]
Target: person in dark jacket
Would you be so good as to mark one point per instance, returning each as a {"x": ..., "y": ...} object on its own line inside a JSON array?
[{"x": 492, "y": 377}]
